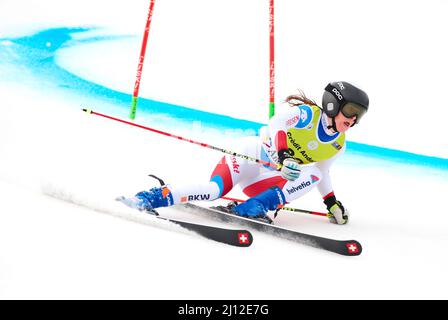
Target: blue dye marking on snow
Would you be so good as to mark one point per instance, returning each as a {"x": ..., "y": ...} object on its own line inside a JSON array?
[{"x": 37, "y": 54}]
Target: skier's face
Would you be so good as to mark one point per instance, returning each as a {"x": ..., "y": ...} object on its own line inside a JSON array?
[{"x": 343, "y": 123}]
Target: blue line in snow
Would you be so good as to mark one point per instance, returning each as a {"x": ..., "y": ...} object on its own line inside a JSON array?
[{"x": 37, "y": 53}]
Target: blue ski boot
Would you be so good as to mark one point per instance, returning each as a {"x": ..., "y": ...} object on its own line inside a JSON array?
[
  {"x": 149, "y": 200},
  {"x": 258, "y": 206}
]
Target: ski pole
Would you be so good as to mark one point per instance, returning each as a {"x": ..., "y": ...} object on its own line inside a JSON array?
[
  {"x": 141, "y": 61},
  {"x": 271, "y": 61},
  {"x": 287, "y": 208},
  {"x": 205, "y": 145}
]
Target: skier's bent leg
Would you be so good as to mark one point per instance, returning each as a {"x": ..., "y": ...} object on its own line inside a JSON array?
[
  {"x": 309, "y": 178},
  {"x": 280, "y": 193},
  {"x": 258, "y": 206},
  {"x": 229, "y": 172}
]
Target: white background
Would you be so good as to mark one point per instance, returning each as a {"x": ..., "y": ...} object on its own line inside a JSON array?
[{"x": 213, "y": 55}]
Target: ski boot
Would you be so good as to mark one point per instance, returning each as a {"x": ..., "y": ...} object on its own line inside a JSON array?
[
  {"x": 148, "y": 201},
  {"x": 257, "y": 207}
]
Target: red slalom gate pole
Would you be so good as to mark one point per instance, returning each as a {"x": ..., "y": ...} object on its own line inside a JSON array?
[
  {"x": 271, "y": 60},
  {"x": 141, "y": 61},
  {"x": 205, "y": 145},
  {"x": 286, "y": 208}
]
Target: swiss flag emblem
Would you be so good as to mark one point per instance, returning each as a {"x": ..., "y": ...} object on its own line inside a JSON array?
[
  {"x": 352, "y": 247},
  {"x": 243, "y": 238}
]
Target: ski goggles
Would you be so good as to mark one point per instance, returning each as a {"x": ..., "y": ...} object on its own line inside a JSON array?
[{"x": 350, "y": 110}]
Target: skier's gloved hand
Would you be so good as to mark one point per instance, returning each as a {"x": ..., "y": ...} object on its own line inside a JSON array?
[
  {"x": 339, "y": 215},
  {"x": 290, "y": 167}
]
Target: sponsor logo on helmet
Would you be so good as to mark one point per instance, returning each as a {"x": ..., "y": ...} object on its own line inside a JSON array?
[
  {"x": 338, "y": 94},
  {"x": 341, "y": 85}
]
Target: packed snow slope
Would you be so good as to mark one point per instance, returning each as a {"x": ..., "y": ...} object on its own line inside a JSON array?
[{"x": 63, "y": 235}]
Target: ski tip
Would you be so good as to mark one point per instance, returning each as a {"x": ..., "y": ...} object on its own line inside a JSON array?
[{"x": 352, "y": 248}]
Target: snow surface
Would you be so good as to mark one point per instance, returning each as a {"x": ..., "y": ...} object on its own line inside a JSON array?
[{"x": 63, "y": 236}]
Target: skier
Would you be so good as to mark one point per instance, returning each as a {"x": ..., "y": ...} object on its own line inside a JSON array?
[{"x": 302, "y": 135}]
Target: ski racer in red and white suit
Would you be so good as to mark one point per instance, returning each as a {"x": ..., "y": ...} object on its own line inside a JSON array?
[{"x": 304, "y": 140}]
